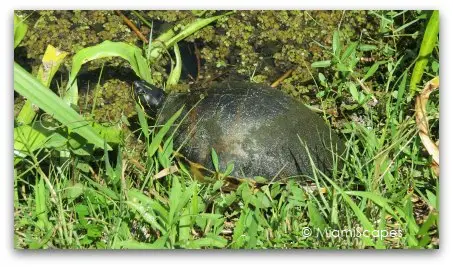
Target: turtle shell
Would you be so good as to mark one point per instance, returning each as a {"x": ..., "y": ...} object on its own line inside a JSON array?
[{"x": 260, "y": 129}]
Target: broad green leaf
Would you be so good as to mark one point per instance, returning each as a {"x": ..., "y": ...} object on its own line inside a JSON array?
[
  {"x": 28, "y": 86},
  {"x": 105, "y": 49},
  {"x": 432, "y": 199},
  {"x": 111, "y": 134},
  {"x": 343, "y": 67},
  {"x": 322, "y": 78}
]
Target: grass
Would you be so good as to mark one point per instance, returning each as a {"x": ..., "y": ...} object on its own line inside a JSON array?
[{"x": 385, "y": 195}]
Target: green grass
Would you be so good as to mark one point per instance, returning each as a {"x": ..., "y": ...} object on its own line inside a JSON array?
[{"x": 385, "y": 191}]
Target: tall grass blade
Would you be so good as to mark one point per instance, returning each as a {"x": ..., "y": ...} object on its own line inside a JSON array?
[
  {"x": 428, "y": 43},
  {"x": 160, "y": 135},
  {"x": 175, "y": 74}
]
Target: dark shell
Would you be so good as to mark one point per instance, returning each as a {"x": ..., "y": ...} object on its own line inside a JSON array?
[{"x": 255, "y": 126}]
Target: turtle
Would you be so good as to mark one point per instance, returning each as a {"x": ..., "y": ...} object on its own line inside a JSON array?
[{"x": 264, "y": 132}]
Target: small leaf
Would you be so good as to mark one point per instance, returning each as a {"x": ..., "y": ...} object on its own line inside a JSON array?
[
  {"x": 367, "y": 47},
  {"x": 229, "y": 169},
  {"x": 371, "y": 71},
  {"x": 349, "y": 50},
  {"x": 321, "y": 64},
  {"x": 336, "y": 46},
  {"x": 353, "y": 91}
]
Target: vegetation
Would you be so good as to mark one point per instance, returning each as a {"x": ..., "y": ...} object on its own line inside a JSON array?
[{"x": 84, "y": 181}]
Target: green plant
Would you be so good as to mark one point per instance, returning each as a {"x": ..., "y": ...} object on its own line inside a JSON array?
[{"x": 344, "y": 62}]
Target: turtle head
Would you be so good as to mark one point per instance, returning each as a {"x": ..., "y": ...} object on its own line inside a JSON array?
[{"x": 149, "y": 95}]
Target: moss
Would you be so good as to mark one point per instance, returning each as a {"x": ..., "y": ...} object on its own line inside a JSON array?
[
  {"x": 71, "y": 31},
  {"x": 113, "y": 100},
  {"x": 268, "y": 43}
]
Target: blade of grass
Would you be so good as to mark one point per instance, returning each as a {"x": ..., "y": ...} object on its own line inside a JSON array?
[
  {"x": 426, "y": 48},
  {"x": 175, "y": 74},
  {"x": 152, "y": 148}
]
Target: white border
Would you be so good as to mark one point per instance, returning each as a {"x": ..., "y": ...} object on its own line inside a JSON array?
[{"x": 227, "y": 258}]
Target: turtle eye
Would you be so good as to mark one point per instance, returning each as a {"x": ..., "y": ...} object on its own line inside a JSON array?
[{"x": 139, "y": 87}]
